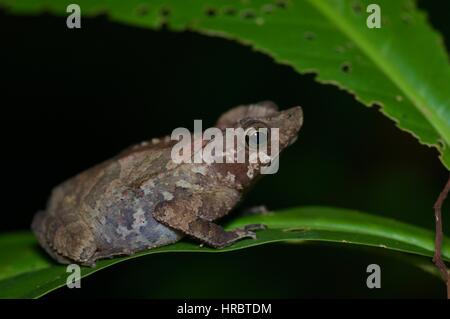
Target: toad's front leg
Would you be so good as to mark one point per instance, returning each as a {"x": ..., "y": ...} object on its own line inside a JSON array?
[{"x": 193, "y": 224}]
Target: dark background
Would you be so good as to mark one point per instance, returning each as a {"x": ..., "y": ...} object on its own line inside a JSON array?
[{"x": 73, "y": 98}]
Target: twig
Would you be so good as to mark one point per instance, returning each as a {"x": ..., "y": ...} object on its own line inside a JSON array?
[{"x": 437, "y": 259}]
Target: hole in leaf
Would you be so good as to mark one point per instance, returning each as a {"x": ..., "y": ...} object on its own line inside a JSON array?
[
  {"x": 310, "y": 36},
  {"x": 346, "y": 67},
  {"x": 165, "y": 12},
  {"x": 230, "y": 11},
  {"x": 357, "y": 7},
  {"x": 441, "y": 144},
  {"x": 281, "y": 4},
  {"x": 142, "y": 10},
  {"x": 211, "y": 12},
  {"x": 248, "y": 14},
  {"x": 399, "y": 98},
  {"x": 376, "y": 106}
]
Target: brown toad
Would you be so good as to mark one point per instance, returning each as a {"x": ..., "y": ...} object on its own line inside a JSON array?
[{"x": 142, "y": 199}]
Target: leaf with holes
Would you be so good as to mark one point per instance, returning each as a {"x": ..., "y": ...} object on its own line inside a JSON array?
[
  {"x": 27, "y": 272},
  {"x": 402, "y": 66}
]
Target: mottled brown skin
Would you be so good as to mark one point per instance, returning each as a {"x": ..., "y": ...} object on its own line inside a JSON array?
[{"x": 141, "y": 199}]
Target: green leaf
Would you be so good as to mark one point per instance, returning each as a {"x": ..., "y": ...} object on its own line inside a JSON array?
[
  {"x": 26, "y": 271},
  {"x": 403, "y": 66}
]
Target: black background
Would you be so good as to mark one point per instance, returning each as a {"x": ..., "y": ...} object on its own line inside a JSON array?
[{"x": 72, "y": 98}]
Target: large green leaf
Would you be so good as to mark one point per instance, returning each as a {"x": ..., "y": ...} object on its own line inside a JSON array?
[
  {"x": 403, "y": 67},
  {"x": 26, "y": 272}
]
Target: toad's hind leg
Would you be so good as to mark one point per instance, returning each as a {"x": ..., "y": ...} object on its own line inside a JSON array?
[
  {"x": 197, "y": 226},
  {"x": 40, "y": 228},
  {"x": 215, "y": 236},
  {"x": 68, "y": 240}
]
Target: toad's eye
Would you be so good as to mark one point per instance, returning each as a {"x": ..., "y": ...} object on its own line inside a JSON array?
[{"x": 256, "y": 137}]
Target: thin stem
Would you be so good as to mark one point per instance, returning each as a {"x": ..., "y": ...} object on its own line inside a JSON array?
[{"x": 437, "y": 259}]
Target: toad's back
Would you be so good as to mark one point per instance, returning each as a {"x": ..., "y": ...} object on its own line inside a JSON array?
[{"x": 107, "y": 210}]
